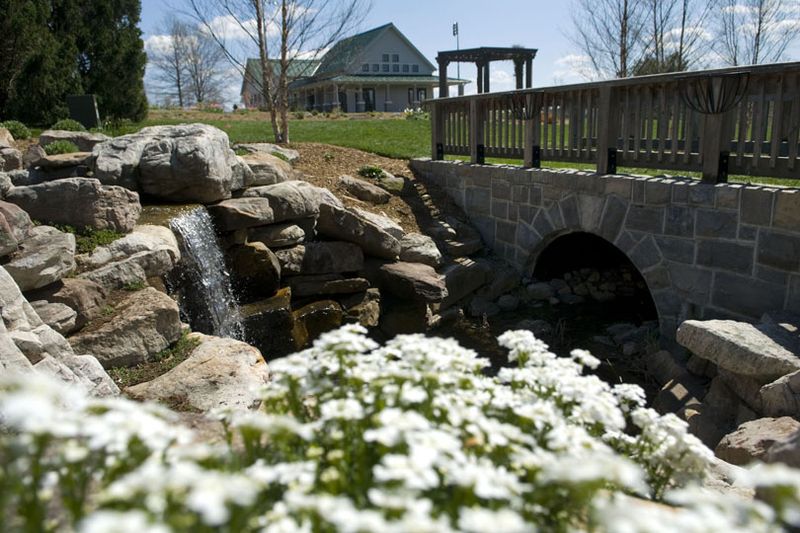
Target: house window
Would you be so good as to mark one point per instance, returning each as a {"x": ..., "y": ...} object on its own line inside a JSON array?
[
  {"x": 414, "y": 68},
  {"x": 385, "y": 67},
  {"x": 376, "y": 67},
  {"x": 395, "y": 68},
  {"x": 411, "y": 96},
  {"x": 385, "y": 58},
  {"x": 365, "y": 67},
  {"x": 405, "y": 68},
  {"x": 395, "y": 58},
  {"x": 422, "y": 94}
]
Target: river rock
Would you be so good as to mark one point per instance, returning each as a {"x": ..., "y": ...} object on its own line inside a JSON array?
[
  {"x": 364, "y": 308},
  {"x": 79, "y": 202},
  {"x": 314, "y": 319},
  {"x": 287, "y": 154},
  {"x": 413, "y": 281},
  {"x": 269, "y": 324},
  {"x": 44, "y": 258},
  {"x": 762, "y": 352},
  {"x": 184, "y": 163},
  {"x": 11, "y": 158},
  {"x": 15, "y": 227},
  {"x": 321, "y": 258},
  {"x": 418, "y": 248},
  {"x": 293, "y": 200},
  {"x": 241, "y": 213},
  {"x": 84, "y": 140},
  {"x": 143, "y": 324},
  {"x": 364, "y": 190},
  {"x": 326, "y": 285},
  {"x": 393, "y": 184},
  {"x": 268, "y": 169},
  {"x": 219, "y": 373},
  {"x": 84, "y": 297},
  {"x": 382, "y": 221},
  {"x": 60, "y": 317},
  {"x": 277, "y": 235},
  {"x": 752, "y": 440},
  {"x": 255, "y": 271},
  {"x": 347, "y": 226}
]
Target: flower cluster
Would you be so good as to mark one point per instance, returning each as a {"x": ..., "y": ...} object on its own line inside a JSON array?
[{"x": 352, "y": 436}]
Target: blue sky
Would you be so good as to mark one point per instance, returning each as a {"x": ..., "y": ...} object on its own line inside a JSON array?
[{"x": 532, "y": 23}]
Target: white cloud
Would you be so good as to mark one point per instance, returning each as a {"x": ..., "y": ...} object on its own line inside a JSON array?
[
  {"x": 573, "y": 68},
  {"x": 157, "y": 44}
]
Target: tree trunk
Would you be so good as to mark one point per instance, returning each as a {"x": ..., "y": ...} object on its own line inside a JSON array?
[
  {"x": 283, "y": 80},
  {"x": 266, "y": 71}
]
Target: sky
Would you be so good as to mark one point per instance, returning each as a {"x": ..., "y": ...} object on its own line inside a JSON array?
[{"x": 539, "y": 24}]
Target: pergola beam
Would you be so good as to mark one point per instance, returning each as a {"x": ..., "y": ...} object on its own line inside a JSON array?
[{"x": 522, "y": 58}]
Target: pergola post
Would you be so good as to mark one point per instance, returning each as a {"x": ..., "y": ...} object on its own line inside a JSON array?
[
  {"x": 443, "y": 88},
  {"x": 518, "y": 73},
  {"x": 479, "y": 81},
  {"x": 486, "y": 78},
  {"x": 529, "y": 73}
]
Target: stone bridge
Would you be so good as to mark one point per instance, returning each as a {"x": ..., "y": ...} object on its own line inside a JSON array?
[{"x": 704, "y": 250}]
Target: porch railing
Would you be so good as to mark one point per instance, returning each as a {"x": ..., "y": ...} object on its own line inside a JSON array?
[{"x": 742, "y": 120}]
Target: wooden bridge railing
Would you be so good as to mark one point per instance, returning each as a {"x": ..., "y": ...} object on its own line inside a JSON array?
[{"x": 741, "y": 120}]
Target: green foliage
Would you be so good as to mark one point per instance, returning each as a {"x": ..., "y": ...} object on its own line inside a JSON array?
[
  {"x": 314, "y": 112},
  {"x": 162, "y": 363},
  {"x": 300, "y": 115},
  {"x": 60, "y": 147},
  {"x": 328, "y": 157},
  {"x": 280, "y": 155},
  {"x": 370, "y": 172},
  {"x": 241, "y": 152},
  {"x": 133, "y": 286},
  {"x": 17, "y": 129},
  {"x": 68, "y": 124},
  {"x": 87, "y": 239}
]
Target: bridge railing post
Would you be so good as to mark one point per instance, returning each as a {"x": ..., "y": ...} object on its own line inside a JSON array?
[
  {"x": 714, "y": 156},
  {"x": 476, "y": 131},
  {"x": 608, "y": 121},
  {"x": 437, "y": 130},
  {"x": 533, "y": 128}
]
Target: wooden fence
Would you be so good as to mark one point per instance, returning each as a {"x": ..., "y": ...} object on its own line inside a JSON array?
[{"x": 739, "y": 121}]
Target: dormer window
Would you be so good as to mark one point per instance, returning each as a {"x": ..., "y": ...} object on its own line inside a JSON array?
[
  {"x": 365, "y": 67},
  {"x": 405, "y": 68},
  {"x": 395, "y": 58},
  {"x": 414, "y": 68},
  {"x": 385, "y": 58}
]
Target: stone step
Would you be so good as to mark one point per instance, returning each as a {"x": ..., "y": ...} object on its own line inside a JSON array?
[{"x": 463, "y": 247}]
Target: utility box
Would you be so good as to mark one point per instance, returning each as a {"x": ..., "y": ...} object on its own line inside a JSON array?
[{"x": 83, "y": 108}]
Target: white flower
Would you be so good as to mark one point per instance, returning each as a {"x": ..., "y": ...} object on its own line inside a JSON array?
[
  {"x": 120, "y": 522},
  {"x": 479, "y": 520}
]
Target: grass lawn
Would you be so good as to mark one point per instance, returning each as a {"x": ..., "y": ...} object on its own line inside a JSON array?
[{"x": 386, "y": 134}]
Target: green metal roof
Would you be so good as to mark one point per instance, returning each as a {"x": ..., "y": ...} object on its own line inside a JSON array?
[
  {"x": 351, "y": 78},
  {"x": 344, "y": 52}
]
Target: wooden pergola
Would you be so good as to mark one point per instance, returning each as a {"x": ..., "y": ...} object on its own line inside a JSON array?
[{"x": 522, "y": 58}]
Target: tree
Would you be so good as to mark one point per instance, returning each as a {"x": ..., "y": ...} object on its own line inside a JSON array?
[
  {"x": 203, "y": 61},
  {"x": 674, "y": 39},
  {"x": 609, "y": 33},
  {"x": 167, "y": 57},
  {"x": 756, "y": 31},
  {"x": 279, "y": 31}
]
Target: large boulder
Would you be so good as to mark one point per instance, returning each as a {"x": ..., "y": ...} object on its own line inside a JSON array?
[
  {"x": 765, "y": 352},
  {"x": 413, "y": 281},
  {"x": 241, "y": 174},
  {"x": 44, "y": 258},
  {"x": 140, "y": 326},
  {"x": 241, "y": 213},
  {"x": 321, "y": 258},
  {"x": 84, "y": 140},
  {"x": 382, "y": 221},
  {"x": 79, "y": 202},
  {"x": 268, "y": 169},
  {"x": 132, "y": 270},
  {"x": 60, "y": 317},
  {"x": 185, "y": 163},
  {"x": 314, "y": 319},
  {"x": 277, "y": 235},
  {"x": 752, "y": 440},
  {"x": 144, "y": 238},
  {"x": 84, "y": 297},
  {"x": 363, "y": 190},
  {"x": 218, "y": 373},
  {"x": 11, "y": 158},
  {"x": 6, "y": 139},
  {"x": 293, "y": 200},
  {"x": 418, "y": 248},
  {"x": 15, "y": 226},
  {"x": 345, "y": 225},
  {"x": 463, "y": 277},
  {"x": 782, "y": 396},
  {"x": 255, "y": 271},
  {"x": 269, "y": 324}
]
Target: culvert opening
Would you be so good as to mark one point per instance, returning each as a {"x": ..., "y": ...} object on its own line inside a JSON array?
[{"x": 584, "y": 267}]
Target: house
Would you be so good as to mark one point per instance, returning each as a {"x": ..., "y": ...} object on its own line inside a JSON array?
[
  {"x": 377, "y": 70},
  {"x": 252, "y": 98}
]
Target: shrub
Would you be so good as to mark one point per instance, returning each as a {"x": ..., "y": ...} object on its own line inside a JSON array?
[
  {"x": 370, "y": 172},
  {"x": 60, "y": 147},
  {"x": 68, "y": 124},
  {"x": 87, "y": 239},
  {"x": 353, "y": 436},
  {"x": 299, "y": 115},
  {"x": 415, "y": 114},
  {"x": 17, "y": 129},
  {"x": 314, "y": 112}
]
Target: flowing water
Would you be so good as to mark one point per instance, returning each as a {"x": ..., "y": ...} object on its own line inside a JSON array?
[{"x": 202, "y": 282}]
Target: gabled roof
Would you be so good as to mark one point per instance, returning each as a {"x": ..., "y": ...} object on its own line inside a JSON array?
[
  {"x": 347, "y": 51},
  {"x": 298, "y": 68}
]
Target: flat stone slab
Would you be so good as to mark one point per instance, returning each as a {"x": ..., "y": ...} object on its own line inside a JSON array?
[
  {"x": 326, "y": 284},
  {"x": 65, "y": 160},
  {"x": 763, "y": 352},
  {"x": 241, "y": 213},
  {"x": 321, "y": 258},
  {"x": 413, "y": 281}
]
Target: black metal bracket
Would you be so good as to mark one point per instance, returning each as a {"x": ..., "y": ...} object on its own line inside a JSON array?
[
  {"x": 724, "y": 160},
  {"x": 612, "y": 161},
  {"x": 536, "y": 156},
  {"x": 481, "y": 154},
  {"x": 439, "y": 151}
]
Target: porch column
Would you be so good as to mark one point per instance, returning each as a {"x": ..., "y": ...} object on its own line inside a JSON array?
[
  {"x": 518, "y": 65},
  {"x": 529, "y": 73},
  {"x": 443, "y": 88},
  {"x": 387, "y": 101},
  {"x": 360, "y": 105},
  {"x": 460, "y": 89},
  {"x": 414, "y": 100},
  {"x": 336, "y": 104}
]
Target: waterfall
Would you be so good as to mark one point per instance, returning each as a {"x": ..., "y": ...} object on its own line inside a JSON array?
[{"x": 202, "y": 282}]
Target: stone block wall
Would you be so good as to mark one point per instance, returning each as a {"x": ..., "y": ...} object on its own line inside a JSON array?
[{"x": 706, "y": 251}]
